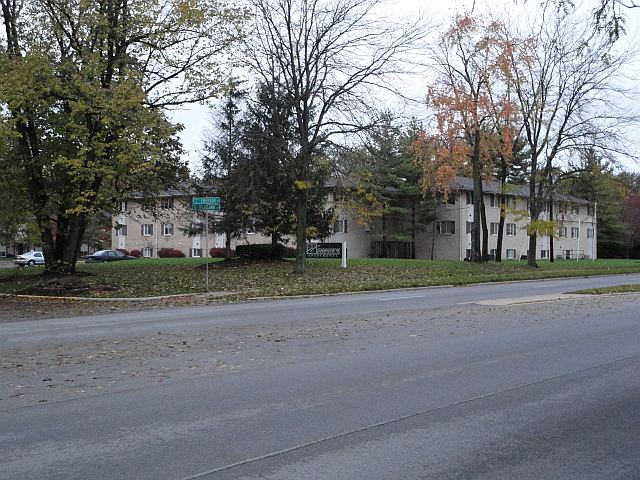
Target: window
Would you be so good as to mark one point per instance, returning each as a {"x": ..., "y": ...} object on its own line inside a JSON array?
[
  {"x": 510, "y": 202},
  {"x": 147, "y": 252},
  {"x": 469, "y": 227},
  {"x": 447, "y": 227},
  {"x": 195, "y": 252},
  {"x": 121, "y": 231},
  {"x": 575, "y": 209},
  {"x": 493, "y": 228},
  {"x": 544, "y": 253},
  {"x": 468, "y": 253},
  {"x": 591, "y": 210},
  {"x": 167, "y": 228},
  {"x": 562, "y": 232},
  {"x": 493, "y": 200},
  {"x": 146, "y": 229},
  {"x": 590, "y": 233},
  {"x": 196, "y": 228},
  {"x": 123, "y": 207},
  {"x": 562, "y": 207},
  {"x": 511, "y": 253},
  {"x": 451, "y": 199},
  {"x": 511, "y": 229},
  {"x": 340, "y": 226},
  {"x": 167, "y": 203},
  {"x": 492, "y": 254},
  {"x": 575, "y": 232},
  {"x": 330, "y": 197},
  {"x": 469, "y": 197}
]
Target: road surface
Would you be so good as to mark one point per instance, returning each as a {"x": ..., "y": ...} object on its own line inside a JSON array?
[{"x": 469, "y": 382}]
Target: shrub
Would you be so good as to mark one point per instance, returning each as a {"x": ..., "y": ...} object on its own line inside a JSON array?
[
  {"x": 291, "y": 252},
  {"x": 135, "y": 253},
  {"x": 170, "y": 253},
  {"x": 123, "y": 250},
  {"x": 219, "y": 252},
  {"x": 261, "y": 251}
]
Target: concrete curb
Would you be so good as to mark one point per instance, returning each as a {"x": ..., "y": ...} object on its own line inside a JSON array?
[{"x": 120, "y": 299}]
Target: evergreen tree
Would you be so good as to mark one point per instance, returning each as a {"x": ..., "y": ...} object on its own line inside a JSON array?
[{"x": 223, "y": 167}]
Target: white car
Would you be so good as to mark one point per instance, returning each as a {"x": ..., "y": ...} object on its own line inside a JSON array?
[{"x": 30, "y": 258}]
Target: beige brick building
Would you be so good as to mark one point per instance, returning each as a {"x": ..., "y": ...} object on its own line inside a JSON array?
[{"x": 448, "y": 238}]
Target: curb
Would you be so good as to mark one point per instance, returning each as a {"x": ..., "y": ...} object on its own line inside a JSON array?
[{"x": 119, "y": 299}]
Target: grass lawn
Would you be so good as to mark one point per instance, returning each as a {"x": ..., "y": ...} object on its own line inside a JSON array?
[
  {"x": 634, "y": 288},
  {"x": 148, "y": 277}
]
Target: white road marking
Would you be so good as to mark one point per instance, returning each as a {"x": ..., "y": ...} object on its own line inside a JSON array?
[
  {"x": 545, "y": 286},
  {"x": 400, "y": 298}
]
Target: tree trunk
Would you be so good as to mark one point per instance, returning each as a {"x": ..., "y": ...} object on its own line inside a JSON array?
[
  {"x": 227, "y": 244},
  {"x": 533, "y": 238},
  {"x": 503, "y": 214},
  {"x": 551, "y": 251},
  {"x": 413, "y": 229},
  {"x": 61, "y": 248},
  {"x": 485, "y": 233},
  {"x": 301, "y": 230},
  {"x": 477, "y": 200},
  {"x": 384, "y": 236}
]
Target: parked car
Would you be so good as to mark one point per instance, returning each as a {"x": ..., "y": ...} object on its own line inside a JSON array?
[
  {"x": 107, "y": 256},
  {"x": 30, "y": 259}
]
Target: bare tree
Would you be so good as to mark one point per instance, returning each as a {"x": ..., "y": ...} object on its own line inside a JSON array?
[
  {"x": 328, "y": 55},
  {"x": 567, "y": 90}
]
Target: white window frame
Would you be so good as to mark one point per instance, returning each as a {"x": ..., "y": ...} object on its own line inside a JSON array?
[
  {"x": 469, "y": 227},
  {"x": 590, "y": 233},
  {"x": 511, "y": 229},
  {"x": 147, "y": 229},
  {"x": 575, "y": 209},
  {"x": 147, "y": 252},
  {"x": 193, "y": 252},
  {"x": 494, "y": 228},
  {"x": 167, "y": 203},
  {"x": 575, "y": 232},
  {"x": 167, "y": 229},
  {"x": 493, "y": 200},
  {"x": 449, "y": 227},
  {"x": 511, "y": 253},
  {"x": 121, "y": 231},
  {"x": 562, "y": 232},
  {"x": 469, "y": 196}
]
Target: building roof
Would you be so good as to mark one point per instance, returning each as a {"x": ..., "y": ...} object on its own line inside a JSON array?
[{"x": 465, "y": 184}]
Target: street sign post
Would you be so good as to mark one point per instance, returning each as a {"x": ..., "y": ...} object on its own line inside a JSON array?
[{"x": 207, "y": 204}]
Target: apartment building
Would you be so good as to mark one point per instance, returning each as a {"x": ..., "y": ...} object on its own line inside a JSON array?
[
  {"x": 450, "y": 235},
  {"x": 176, "y": 225}
]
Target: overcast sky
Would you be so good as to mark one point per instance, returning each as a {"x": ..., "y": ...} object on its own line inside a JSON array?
[{"x": 197, "y": 118}]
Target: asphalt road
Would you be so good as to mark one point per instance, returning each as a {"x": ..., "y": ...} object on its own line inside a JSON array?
[{"x": 433, "y": 386}]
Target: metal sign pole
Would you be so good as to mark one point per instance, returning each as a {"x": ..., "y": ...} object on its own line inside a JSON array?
[{"x": 206, "y": 243}]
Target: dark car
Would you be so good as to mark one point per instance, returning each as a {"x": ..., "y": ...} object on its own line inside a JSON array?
[{"x": 107, "y": 256}]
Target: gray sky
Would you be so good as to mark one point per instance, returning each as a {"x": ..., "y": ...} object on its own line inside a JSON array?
[{"x": 196, "y": 118}]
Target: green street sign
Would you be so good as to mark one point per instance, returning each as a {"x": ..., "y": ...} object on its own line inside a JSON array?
[{"x": 206, "y": 203}]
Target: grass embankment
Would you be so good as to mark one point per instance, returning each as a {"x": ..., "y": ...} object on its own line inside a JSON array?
[
  {"x": 635, "y": 288},
  {"x": 141, "y": 278}
]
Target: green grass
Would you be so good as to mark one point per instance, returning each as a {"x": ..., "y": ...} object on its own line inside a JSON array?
[
  {"x": 634, "y": 288},
  {"x": 176, "y": 276}
]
